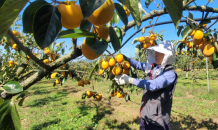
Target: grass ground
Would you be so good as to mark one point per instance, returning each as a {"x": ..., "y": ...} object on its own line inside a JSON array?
[{"x": 61, "y": 107}]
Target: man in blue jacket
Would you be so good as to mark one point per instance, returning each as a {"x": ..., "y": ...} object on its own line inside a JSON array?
[{"x": 158, "y": 87}]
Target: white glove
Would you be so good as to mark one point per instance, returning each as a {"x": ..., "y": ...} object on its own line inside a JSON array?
[{"x": 122, "y": 79}]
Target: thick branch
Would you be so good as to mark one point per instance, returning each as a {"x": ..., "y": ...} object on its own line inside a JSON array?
[
  {"x": 54, "y": 65},
  {"x": 27, "y": 51},
  {"x": 43, "y": 72}
]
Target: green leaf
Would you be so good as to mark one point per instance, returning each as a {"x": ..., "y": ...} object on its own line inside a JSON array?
[
  {"x": 215, "y": 60},
  {"x": 93, "y": 70},
  {"x": 109, "y": 98},
  {"x": 179, "y": 30},
  {"x": 29, "y": 13},
  {"x": 98, "y": 46},
  {"x": 75, "y": 33},
  {"x": 116, "y": 18},
  {"x": 210, "y": 1},
  {"x": 85, "y": 25},
  {"x": 9, "y": 11},
  {"x": 84, "y": 95},
  {"x": 138, "y": 49},
  {"x": 1, "y": 100},
  {"x": 186, "y": 31},
  {"x": 46, "y": 25},
  {"x": 115, "y": 37},
  {"x": 147, "y": 3},
  {"x": 132, "y": 5},
  {"x": 62, "y": 51},
  {"x": 13, "y": 87},
  {"x": 89, "y": 6},
  {"x": 21, "y": 102},
  {"x": 2, "y": 2},
  {"x": 127, "y": 98},
  {"x": 121, "y": 12},
  {"x": 135, "y": 40},
  {"x": 205, "y": 21},
  {"x": 63, "y": 81},
  {"x": 143, "y": 30},
  {"x": 175, "y": 9},
  {"x": 51, "y": 46},
  {"x": 54, "y": 84},
  {"x": 22, "y": 53},
  {"x": 10, "y": 119},
  {"x": 190, "y": 16}
]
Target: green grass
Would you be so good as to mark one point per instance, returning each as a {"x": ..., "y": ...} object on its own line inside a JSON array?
[{"x": 61, "y": 107}]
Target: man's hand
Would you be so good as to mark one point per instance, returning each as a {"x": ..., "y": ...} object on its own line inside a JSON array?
[{"x": 122, "y": 79}]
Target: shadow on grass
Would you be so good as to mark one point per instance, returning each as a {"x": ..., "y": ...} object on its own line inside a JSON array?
[
  {"x": 124, "y": 125},
  {"x": 44, "y": 101},
  {"x": 190, "y": 123},
  {"x": 45, "y": 124},
  {"x": 41, "y": 92}
]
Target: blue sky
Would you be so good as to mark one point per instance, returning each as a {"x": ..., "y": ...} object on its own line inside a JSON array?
[{"x": 169, "y": 34}]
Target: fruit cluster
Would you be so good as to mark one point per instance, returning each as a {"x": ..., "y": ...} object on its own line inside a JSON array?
[
  {"x": 13, "y": 44},
  {"x": 200, "y": 41},
  {"x": 82, "y": 82},
  {"x": 118, "y": 94},
  {"x": 117, "y": 66},
  {"x": 147, "y": 41},
  {"x": 96, "y": 96},
  {"x": 11, "y": 63}
]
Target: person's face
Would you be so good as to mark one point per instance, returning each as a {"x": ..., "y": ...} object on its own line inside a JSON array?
[{"x": 159, "y": 58}]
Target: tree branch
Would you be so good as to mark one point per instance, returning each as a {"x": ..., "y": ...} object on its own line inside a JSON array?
[
  {"x": 155, "y": 13},
  {"x": 27, "y": 51},
  {"x": 43, "y": 72}
]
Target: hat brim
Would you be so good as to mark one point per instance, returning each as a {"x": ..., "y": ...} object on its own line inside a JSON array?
[{"x": 158, "y": 49}]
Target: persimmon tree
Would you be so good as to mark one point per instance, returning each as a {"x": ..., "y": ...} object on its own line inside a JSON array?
[{"x": 35, "y": 57}]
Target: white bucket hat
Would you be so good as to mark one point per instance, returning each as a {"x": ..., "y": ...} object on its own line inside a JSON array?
[{"x": 166, "y": 47}]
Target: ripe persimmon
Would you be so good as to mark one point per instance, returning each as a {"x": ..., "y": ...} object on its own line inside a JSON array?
[
  {"x": 147, "y": 39},
  {"x": 88, "y": 52},
  {"x": 103, "y": 14},
  {"x": 57, "y": 81},
  {"x": 104, "y": 64},
  {"x": 101, "y": 72},
  {"x": 53, "y": 75},
  {"x": 102, "y": 31},
  {"x": 126, "y": 65},
  {"x": 119, "y": 58},
  {"x": 126, "y": 10},
  {"x": 71, "y": 15},
  {"x": 208, "y": 50},
  {"x": 198, "y": 35},
  {"x": 15, "y": 32},
  {"x": 126, "y": 71},
  {"x": 116, "y": 70},
  {"x": 98, "y": 97},
  {"x": 145, "y": 45},
  {"x": 141, "y": 39},
  {"x": 153, "y": 36},
  {"x": 112, "y": 62},
  {"x": 46, "y": 61}
]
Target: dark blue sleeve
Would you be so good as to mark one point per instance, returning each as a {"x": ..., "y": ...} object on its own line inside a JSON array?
[
  {"x": 137, "y": 65},
  {"x": 164, "y": 80}
]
